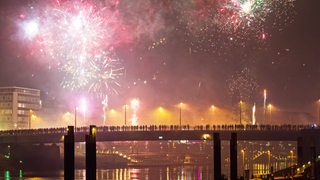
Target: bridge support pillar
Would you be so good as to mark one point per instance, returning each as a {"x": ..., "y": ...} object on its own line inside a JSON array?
[
  {"x": 233, "y": 157},
  {"x": 69, "y": 154},
  {"x": 300, "y": 151},
  {"x": 313, "y": 160},
  {"x": 91, "y": 154},
  {"x": 217, "y": 156}
]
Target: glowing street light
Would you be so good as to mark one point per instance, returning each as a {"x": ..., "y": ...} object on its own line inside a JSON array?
[
  {"x": 291, "y": 156},
  {"x": 270, "y": 108},
  {"x": 161, "y": 115},
  {"x": 125, "y": 114},
  {"x": 160, "y": 108},
  {"x": 212, "y": 108},
  {"x": 240, "y": 107},
  {"x": 180, "y": 108},
  {"x": 243, "y": 164},
  {"x": 269, "y": 154}
]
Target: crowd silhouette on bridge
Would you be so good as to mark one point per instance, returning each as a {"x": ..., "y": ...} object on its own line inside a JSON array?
[{"x": 225, "y": 127}]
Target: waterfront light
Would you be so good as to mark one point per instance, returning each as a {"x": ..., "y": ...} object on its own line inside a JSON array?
[
  {"x": 114, "y": 116},
  {"x": 270, "y": 108},
  {"x": 291, "y": 157},
  {"x": 269, "y": 156},
  {"x": 180, "y": 112},
  {"x": 243, "y": 162},
  {"x": 206, "y": 136},
  {"x": 160, "y": 109},
  {"x": 160, "y": 115},
  {"x": 212, "y": 107},
  {"x": 93, "y": 131},
  {"x": 240, "y": 109}
]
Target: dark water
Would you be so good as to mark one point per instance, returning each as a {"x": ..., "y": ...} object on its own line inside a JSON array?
[{"x": 139, "y": 173}]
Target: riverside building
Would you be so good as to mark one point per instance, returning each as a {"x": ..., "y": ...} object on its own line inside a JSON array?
[{"x": 18, "y": 105}]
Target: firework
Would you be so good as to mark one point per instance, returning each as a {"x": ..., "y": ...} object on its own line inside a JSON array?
[
  {"x": 99, "y": 76},
  {"x": 105, "y": 103},
  {"x": 243, "y": 85},
  {"x": 254, "y": 114},
  {"x": 30, "y": 28},
  {"x": 76, "y": 38},
  {"x": 232, "y": 22},
  {"x": 134, "y": 104}
]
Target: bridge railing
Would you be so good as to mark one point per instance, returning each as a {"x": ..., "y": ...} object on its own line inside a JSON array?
[{"x": 224, "y": 127}]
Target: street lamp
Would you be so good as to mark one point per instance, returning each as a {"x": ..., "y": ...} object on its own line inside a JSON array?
[
  {"x": 270, "y": 107},
  {"x": 125, "y": 114},
  {"x": 212, "y": 108},
  {"x": 269, "y": 154},
  {"x": 240, "y": 106},
  {"x": 243, "y": 164},
  {"x": 180, "y": 108},
  {"x": 291, "y": 156}
]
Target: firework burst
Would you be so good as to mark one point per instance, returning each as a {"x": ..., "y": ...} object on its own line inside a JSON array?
[
  {"x": 76, "y": 37},
  {"x": 212, "y": 25},
  {"x": 243, "y": 85}
]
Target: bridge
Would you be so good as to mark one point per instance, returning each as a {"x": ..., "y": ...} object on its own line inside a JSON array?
[
  {"x": 155, "y": 133},
  {"x": 306, "y": 136}
]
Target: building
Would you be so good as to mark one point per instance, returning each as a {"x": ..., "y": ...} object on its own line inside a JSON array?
[{"x": 17, "y": 107}]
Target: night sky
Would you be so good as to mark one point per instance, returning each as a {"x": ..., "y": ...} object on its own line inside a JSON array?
[{"x": 183, "y": 51}]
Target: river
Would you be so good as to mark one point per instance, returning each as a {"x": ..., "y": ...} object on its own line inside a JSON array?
[{"x": 136, "y": 173}]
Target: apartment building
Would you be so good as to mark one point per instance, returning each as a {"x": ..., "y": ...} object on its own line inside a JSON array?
[{"x": 17, "y": 105}]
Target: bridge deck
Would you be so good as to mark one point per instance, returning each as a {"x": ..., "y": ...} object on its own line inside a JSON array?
[{"x": 151, "y": 133}]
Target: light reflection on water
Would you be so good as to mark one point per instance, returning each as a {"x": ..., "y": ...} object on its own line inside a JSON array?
[{"x": 139, "y": 173}]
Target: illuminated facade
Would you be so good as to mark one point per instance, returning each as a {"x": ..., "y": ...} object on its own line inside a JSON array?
[{"x": 17, "y": 105}]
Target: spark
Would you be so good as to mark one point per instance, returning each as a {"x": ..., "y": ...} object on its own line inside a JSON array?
[
  {"x": 207, "y": 24},
  {"x": 75, "y": 37},
  {"x": 134, "y": 104},
  {"x": 105, "y": 104},
  {"x": 31, "y": 29},
  {"x": 243, "y": 85},
  {"x": 254, "y": 114}
]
